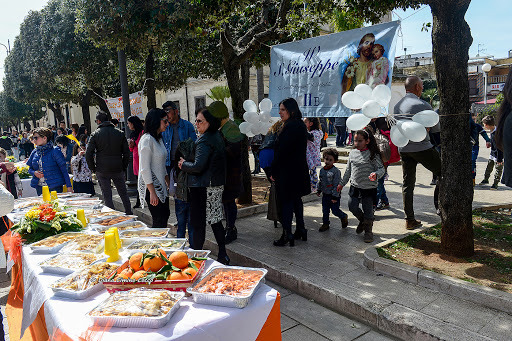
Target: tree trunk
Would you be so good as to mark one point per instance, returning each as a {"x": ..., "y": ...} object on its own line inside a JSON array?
[
  {"x": 451, "y": 39},
  {"x": 150, "y": 80},
  {"x": 260, "y": 84},
  {"x": 246, "y": 196},
  {"x": 85, "y": 102},
  {"x": 96, "y": 98},
  {"x": 57, "y": 112}
]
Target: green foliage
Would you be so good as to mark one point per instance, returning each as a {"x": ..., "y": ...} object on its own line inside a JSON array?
[
  {"x": 219, "y": 93},
  {"x": 373, "y": 10},
  {"x": 431, "y": 96},
  {"x": 491, "y": 110},
  {"x": 343, "y": 20}
]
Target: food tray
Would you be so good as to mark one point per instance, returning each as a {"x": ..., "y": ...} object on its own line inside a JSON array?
[
  {"x": 73, "y": 247},
  {"x": 53, "y": 249},
  {"x": 145, "y": 234},
  {"x": 138, "y": 321},
  {"x": 74, "y": 294},
  {"x": 175, "y": 285},
  {"x": 222, "y": 299},
  {"x": 129, "y": 220},
  {"x": 96, "y": 216},
  {"x": 145, "y": 244},
  {"x": 125, "y": 226},
  {"x": 66, "y": 271}
]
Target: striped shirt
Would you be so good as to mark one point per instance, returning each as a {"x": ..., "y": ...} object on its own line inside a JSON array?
[{"x": 359, "y": 168}]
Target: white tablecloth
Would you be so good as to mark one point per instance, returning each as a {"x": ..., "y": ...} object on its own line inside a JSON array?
[{"x": 191, "y": 322}]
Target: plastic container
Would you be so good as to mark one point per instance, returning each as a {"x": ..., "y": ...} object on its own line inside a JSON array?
[
  {"x": 142, "y": 245},
  {"x": 124, "y": 226},
  {"x": 54, "y": 249},
  {"x": 150, "y": 233},
  {"x": 71, "y": 262},
  {"x": 225, "y": 300},
  {"x": 88, "y": 243},
  {"x": 137, "y": 321}
]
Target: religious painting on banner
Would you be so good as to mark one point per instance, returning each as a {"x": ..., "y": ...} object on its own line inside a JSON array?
[
  {"x": 318, "y": 71},
  {"x": 115, "y": 105}
]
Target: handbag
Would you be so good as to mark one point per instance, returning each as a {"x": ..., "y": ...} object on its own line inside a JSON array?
[{"x": 273, "y": 212}]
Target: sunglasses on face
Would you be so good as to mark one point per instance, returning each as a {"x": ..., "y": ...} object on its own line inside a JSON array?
[{"x": 199, "y": 121}]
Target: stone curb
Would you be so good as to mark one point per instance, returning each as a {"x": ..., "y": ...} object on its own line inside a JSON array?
[{"x": 476, "y": 293}]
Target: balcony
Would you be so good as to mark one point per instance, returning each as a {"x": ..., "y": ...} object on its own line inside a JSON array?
[{"x": 497, "y": 79}]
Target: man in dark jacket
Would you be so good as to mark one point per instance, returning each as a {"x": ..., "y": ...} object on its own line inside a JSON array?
[
  {"x": 233, "y": 141},
  {"x": 108, "y": 156}
]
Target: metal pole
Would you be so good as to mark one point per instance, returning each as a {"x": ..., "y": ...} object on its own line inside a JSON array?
[
  {"x": 485, "y": 87},
  {"x": 121, "y": 56}
]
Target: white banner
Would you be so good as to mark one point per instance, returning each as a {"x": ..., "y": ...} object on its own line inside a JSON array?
[
  {"x": 317, "y": 71},
  {"x": 115, "y": 105}
]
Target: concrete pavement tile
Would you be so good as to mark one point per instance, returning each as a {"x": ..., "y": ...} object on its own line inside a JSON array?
[
  {"x": 409, "y": 295},
  {"x": 323, "y": 321},
  {"x": 284, "y": 292},
  {"x": 499, "y": 328},
  {"x": 396, "y": 269},
  {"x": 301, "y": 333},
  {"x": 408, "y": 324},
  {"x": 287, "y": 322},
  {"x": 374, "y": 336},
  {"x": 459, "y": 312}
]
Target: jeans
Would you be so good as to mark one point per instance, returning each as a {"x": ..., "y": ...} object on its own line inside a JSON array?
[
  {"x": 341, "y": 135},
  {"x": 381, "y": 192},
  {"x": 119, "y": 182},
  {"x": 182, "y": 209},
  {"x": 159, "y": 213},
  {"x": 58, "y": 189},
  {"x": 231, "y": 212},
  {"x": 366, "y": 198},
  {"x": 497, "y": 174},
  {"x": 197, "y": 200},
  {"x": 288, "y": 207},
  {"x": 431, "y": 160},
  {"x": 329, "y": 206},
  {"x": 474, "y": 156}
]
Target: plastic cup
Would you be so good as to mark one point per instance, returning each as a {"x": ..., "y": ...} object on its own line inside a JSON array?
[
  {"x": 46, "y": 194},
  {"x": 80, "y": 215},
  {"x": 53, "y": 195},
  {"x": 64, "y": 189},
  {"x": 116, "y": 234},
  {"x": 111, "y": 249}
]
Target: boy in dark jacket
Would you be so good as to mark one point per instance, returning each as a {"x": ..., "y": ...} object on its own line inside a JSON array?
[
  {"x": 330, "y": 177},
  {"x": 496, "y": 156}
]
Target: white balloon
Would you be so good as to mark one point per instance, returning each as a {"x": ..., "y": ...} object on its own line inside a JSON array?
[
  {"x": 413, "y": 131},
  {"x": 265, "y": 116},
  {"x": 352, "y": 100},
  {"x": 382, "y": 94},
  {"x": 427, "y": 118},
  {"x": 245, "y": 127},
  {"x": 397, "y": 138},
  {"x": 251, "y": 117},
  {"x": 250, "y": 106},
  {"x": 364, "y": 90},
  {"x": 266, "y": 105},
  {"x": 249, "y": 134},
  {"x": 371, "y": 108},
  {"x": 357, "y": 121},
  {"x": 255, "y": 128}
]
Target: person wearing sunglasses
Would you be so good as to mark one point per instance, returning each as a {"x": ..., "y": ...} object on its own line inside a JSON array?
[{"x": 47, "y": 164}]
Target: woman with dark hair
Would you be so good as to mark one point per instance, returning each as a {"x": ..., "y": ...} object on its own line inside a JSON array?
[
  {"x": 290, "y": 171},
  {"x": 504, "y": 131},
  {"x": 82, "y": 175},
  {"x": 153, "y": 180},
  {"x": 313, "y": 149},
  {"x": 66, "y": 147},
  {"x": 135, "y": 125},
  {"x": 205, "y": 180},
  {"x": 47, "y": 164}
]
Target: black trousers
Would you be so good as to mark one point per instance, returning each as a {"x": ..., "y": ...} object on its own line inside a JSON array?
[
  {"x": 160, "y": 213},
  {"x": 197, "y": 200}
]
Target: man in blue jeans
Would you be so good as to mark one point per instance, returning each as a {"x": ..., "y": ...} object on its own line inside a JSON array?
[{"x": 178, "y": 130}]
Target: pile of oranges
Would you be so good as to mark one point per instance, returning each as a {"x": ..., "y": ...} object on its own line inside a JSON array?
[{"x": 156, "y": 263}]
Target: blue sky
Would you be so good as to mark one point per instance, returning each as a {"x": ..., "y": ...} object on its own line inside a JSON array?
[{"x": 488, "y": 21}]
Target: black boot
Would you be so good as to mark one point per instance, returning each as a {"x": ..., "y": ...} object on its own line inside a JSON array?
[
  {"x": 301, "y": 233},
  {"x": 368, "y": 228},
  {"x": 218, "y": 232},
  {"x": 231, "y": 234},
  {"x": 137, "y": 204},
  {"x": 360, "y": 226},
  {"x": 285, "y": 240}
]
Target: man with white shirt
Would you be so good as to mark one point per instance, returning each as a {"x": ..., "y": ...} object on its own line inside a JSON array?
[{"x": 422, "y": 152}]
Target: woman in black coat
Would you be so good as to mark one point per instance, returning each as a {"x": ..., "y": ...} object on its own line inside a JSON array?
[
  {"x": 290, "y": 171},
  {"x": 206, "y": 179},
  {"x": 504, "y": 130}
]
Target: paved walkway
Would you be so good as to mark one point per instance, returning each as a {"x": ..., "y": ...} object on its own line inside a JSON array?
[{"x": 328, "y": 269}]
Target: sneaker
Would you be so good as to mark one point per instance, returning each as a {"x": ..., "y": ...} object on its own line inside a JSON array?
[
  {"x": 494, "y": 187},
  {"x": 412, "y": 224},
  {"x": 382, "y": 206},
  {"x": 324, "y": 227},
  {"x": 484, "y": 182},
  {"x": 344, "y": 222}
]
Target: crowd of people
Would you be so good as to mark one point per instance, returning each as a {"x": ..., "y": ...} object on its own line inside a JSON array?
[{"x": 201, "y": 166}]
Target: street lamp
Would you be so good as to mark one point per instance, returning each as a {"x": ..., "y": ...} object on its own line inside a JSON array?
[{"x": 485, "y": 68}]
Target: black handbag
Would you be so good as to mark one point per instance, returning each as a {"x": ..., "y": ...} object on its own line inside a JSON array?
[{"x": 273, "y": 212}]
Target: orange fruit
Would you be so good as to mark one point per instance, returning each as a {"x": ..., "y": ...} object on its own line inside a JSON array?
[
  {"x": 197, "y": 263},
  {"x": 179, "y": 259},
  {"x": 153, "y": 263},
  {"x": 138, "y": 275},
  {"x": 135, "y": 261},
  {"x": 190, "y": 272},
  {"x": 177, "y": 275},
  {"x": 127, "y": 272},
  {"x": 121, "y": 275},
  {"x": 157, "y": 251}
]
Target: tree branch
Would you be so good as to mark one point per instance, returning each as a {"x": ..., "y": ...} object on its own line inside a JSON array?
[{"x": 246, "y": 38}]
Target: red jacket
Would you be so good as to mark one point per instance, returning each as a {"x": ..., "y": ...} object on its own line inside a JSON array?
[{"x": 395, "y": 155}]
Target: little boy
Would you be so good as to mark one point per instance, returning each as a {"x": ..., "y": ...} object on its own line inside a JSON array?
[
  {"x": 330, "y": 177},
  {"x": 11, "y": 180},
  {"x": 496, "y": 157}
]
